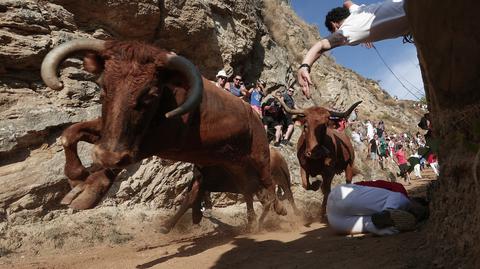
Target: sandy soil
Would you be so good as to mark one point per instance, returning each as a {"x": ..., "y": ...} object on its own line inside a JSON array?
[{"x": 221, "y": 242}]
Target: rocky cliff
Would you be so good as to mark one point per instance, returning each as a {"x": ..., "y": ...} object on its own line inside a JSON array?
[{"x": 259, "y": 39}]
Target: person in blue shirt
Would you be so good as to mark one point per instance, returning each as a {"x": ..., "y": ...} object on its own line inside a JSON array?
[
  {"x": 236, "y": 88},
  {"x": 256, "y": 95}
]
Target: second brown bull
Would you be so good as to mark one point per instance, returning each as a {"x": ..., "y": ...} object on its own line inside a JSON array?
[
  {"x": 217, "y": 179},
  {"x": 322, "y": 150}
]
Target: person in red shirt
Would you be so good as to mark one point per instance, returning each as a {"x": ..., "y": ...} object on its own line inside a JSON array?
[
  {"x": 401, "y": 160},
  {"x": 432, "y": 160}
]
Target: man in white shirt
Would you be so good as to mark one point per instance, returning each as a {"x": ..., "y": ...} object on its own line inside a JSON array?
[
  {"x": 352, "y": 25},
  {"x": 370, "y": 130}
]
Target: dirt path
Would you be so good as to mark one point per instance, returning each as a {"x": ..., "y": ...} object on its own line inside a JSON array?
[{"x": 289, "y": 246}]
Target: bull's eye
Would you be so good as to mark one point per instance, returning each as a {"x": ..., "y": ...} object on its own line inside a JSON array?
[{"x": 148, "y": 97}]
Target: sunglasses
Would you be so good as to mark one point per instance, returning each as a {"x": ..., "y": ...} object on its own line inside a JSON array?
[
  {"x": 237, "y": 79},
  {"x": 222, "y": 77}
]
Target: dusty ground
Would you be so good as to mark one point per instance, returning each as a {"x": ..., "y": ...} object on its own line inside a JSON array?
[{"x": 221, "y": 242}]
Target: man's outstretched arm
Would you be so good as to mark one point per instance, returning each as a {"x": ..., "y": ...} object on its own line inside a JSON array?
[{"x": 326, "y": 44}]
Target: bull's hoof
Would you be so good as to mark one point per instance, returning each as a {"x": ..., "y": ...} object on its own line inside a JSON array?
[
  {"x": 96, "y": 185},
  {"x": 87, "y": 199},
  {"x": 67, "y": 199}
]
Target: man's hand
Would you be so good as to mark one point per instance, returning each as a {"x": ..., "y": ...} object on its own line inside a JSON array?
[
  {"x": 334, "y": 40},
  {"x": 304, "y": 80}
]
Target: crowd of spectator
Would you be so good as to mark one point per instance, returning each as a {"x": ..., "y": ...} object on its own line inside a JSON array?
[
  {"x": 277, "y": 122},
  {"x": 411, "y": 153}
]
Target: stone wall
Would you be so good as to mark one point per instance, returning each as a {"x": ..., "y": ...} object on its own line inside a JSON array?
[{"x": 446, "y": 36}]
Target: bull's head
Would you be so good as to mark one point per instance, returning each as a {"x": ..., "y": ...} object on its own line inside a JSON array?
[
  {"x": 315, "y": 124},
  {"x": 135, "y": 78}
]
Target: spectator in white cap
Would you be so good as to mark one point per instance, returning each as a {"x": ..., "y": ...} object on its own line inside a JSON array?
[{"x": 221, "y": 79}]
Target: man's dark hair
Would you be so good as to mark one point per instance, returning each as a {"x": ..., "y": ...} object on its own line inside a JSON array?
[{"x": 336, "y": 15}]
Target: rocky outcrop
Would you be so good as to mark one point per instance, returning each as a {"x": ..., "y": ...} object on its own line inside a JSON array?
[{"x": 449, "y": 61}]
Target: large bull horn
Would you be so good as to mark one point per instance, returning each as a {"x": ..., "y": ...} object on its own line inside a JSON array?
[
  {"x": 58, "y": 54},
  {"x": 290, "y": 110},
  {"x": 195, "y": 82},
  {"x": 346, "y": 113}
]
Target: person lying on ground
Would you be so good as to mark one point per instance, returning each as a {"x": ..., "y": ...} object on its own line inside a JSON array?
[
  {"x": 379, "y": 207},
  {"x": 353, "y": 25}
]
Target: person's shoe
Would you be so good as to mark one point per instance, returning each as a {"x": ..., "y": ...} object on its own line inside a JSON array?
[
  {"x": 286, "y": 142},
  {"x": 276, "y": 144},
  {"x": 382, "y": 219},
  {"x": 399, "y": 219}
]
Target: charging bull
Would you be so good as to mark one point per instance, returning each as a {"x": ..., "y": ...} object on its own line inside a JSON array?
[
  {"x": 157, "y": 103},
  {"x": 217, "y": 179},
  {"x": 322, "y": 150}
]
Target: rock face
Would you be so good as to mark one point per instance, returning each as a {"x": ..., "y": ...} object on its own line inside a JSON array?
[
  {"x": 258, "y": 39},
  {"x": 450, "y": 72}
]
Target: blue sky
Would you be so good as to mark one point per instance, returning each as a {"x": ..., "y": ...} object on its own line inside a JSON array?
[{"x": 401, "y": 58}]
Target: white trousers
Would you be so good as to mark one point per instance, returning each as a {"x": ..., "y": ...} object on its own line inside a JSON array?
[
  {"x": 416, "y": 169},
  {"x": 435, "y": 168},
  {"x": 350, "y": 207}
]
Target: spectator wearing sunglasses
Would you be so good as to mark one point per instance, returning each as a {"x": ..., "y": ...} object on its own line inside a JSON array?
[
  {"x": 221, "y": 79},
  {"x": 236, "y": 88}
]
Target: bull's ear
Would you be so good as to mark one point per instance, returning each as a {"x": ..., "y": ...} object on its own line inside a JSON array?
[{"x": 93, "y": 63}]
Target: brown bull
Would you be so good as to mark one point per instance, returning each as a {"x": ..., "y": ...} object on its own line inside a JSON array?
[
  {"x": 217, "y": 179},
  {"x": 157, "y": 103},
  {"x": 322, "y": 150}
]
